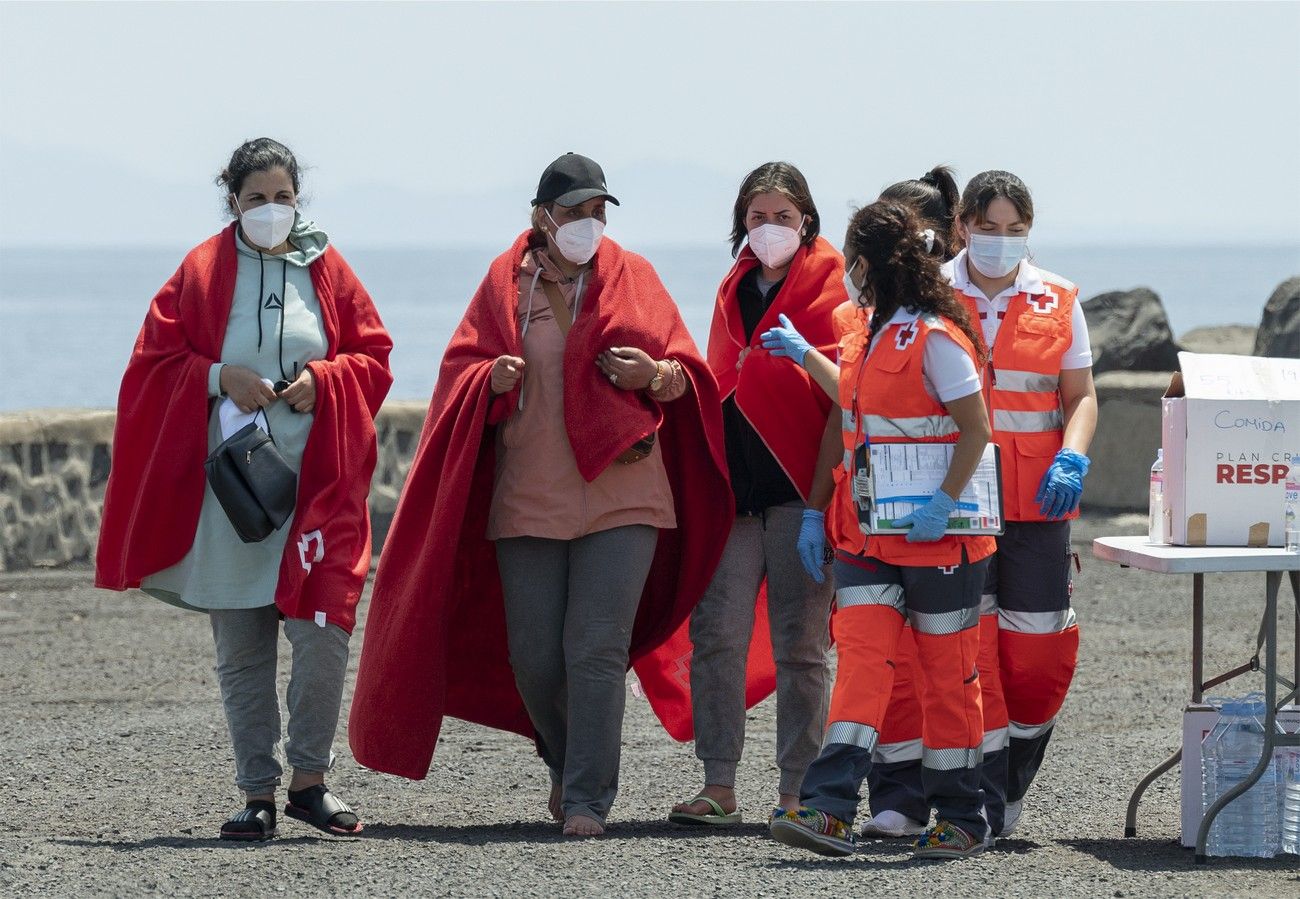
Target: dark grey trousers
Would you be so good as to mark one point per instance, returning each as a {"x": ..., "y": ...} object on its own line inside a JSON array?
[
  {"x": 570, "y": 606},
  {"x": 722, "y": 624}
]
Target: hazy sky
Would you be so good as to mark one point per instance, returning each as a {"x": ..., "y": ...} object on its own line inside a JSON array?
[{"x": 1158, "y": 123}]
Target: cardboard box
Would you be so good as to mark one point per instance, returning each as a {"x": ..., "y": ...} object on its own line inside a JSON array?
[
  {"x": 1230, "y": 427},
  {"x": 1198, "y": 720}
]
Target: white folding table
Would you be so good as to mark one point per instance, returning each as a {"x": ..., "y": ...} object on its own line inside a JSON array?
[{"x": 1139, "y": 552}]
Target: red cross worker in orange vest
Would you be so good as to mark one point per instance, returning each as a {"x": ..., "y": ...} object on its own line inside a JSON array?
[
  {"x": 897, "y": 799},
  {"x": 1039, "y": 391},
  {"x": 909, "y": 373}
]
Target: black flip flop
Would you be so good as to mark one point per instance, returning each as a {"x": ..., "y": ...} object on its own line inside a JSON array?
[
  {"x": 255, "y": 823},
  {"x": 323, "y": 810}
]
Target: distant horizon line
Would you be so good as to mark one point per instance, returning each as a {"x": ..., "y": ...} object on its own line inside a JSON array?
[{"x": 1191, "y": 243}]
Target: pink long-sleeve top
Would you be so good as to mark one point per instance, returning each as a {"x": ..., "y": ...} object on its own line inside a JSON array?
[{"x": 538, "y": 490}]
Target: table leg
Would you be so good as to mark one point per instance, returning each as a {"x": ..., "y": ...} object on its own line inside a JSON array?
[
  {"x": 1198, "y": 634},
  {"x": 1130, "y": 819},
  {"x": 1273, "y": 582},
  {"x": 1295, "y": 628}
]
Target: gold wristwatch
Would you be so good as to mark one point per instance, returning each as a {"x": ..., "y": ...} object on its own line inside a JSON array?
[{"x": 657, "y": 382}]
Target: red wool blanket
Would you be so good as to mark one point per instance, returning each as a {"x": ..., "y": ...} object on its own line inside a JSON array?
[
  {"x": 155, "y": 488},
  {"x": 435, "y": 639},
  {"x": 788, "y": 410}
]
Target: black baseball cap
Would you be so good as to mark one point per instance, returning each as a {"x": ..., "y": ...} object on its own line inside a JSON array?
[{"x": 570, "y": 180}]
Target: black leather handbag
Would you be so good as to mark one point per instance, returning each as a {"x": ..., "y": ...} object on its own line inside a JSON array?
[{"x": 255, "y": 486}]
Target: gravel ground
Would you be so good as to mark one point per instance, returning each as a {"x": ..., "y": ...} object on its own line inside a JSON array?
[{"x": 115, "y": 749}]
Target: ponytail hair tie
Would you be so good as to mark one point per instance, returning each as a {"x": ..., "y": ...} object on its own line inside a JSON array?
[{"x": 928, "y": 234}]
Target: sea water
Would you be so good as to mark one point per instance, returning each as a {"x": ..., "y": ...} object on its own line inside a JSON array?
[{"x": 69, "y": 316}]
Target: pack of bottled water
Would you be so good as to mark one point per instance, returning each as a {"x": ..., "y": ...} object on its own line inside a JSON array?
[{"x": 1265, "y": 820}]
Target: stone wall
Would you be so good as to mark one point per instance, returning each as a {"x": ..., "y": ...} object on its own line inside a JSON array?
[
  {"x": 1128, "y": 435},
  {"x": 54, "y": 466},
  {"x": 398, "y": 426}
]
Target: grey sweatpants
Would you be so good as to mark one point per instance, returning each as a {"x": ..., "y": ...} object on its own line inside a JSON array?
[
  {"x": 570, "y": 606},
  {"x": 721, "y": 626},
  {"x": 246, "y": 658}
]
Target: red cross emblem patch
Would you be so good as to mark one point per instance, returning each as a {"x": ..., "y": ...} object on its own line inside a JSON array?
[
  {"x": 906, "y": 334},
  {"x": 1046, "y": 303}
]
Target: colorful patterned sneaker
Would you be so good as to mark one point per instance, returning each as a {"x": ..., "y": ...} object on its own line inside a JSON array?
[
  {"x": 807, "y": 828},
  {"x": 946, "y": 840}
]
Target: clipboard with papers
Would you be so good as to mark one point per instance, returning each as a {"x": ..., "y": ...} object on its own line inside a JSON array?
[{"x": 903, "y": 477}]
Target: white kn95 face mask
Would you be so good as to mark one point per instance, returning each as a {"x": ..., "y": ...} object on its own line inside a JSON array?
[
  {"x": 268, "y": 225},
  {"x": 774, "y": 245},
  {"x": 578, "y": 241}
]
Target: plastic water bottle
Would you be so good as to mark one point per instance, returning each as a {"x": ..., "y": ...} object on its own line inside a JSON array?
[
  {"x": 1291, "y": 525},
  {"x": 1156, "y": 525},
  {"x": 1248, "y": 826},
  {"x": 1288, "y": 769}
]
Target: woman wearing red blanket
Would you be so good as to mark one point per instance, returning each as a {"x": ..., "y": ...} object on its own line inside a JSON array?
[
  {"x": 565, "y": 510},
  {"x": 772, "y": 412},
  {"x": 263, "y": 317}
]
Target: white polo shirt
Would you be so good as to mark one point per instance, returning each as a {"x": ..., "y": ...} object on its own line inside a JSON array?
[
  {"x": 947, "y": 370},
  {"x": 1029, "y": 279}
]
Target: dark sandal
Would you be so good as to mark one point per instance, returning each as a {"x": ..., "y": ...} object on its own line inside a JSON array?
[
  {"x": 323, "y": 810},
  {"x": 255, "y": 823}
]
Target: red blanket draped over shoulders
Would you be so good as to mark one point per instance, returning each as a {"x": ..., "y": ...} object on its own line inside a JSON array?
[
  {"x": 435, "y": 638},
  {"x": 156, "y": 484},
  {"x": 788, "y": 410}
]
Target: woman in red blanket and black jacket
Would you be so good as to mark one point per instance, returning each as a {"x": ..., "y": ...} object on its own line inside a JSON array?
[
  {"x": 772, "y": 411},
  {"x": 266, "y": 318},
  {"x": 565, "y": 509}
]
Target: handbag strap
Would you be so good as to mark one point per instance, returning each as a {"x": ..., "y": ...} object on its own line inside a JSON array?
[
  {"x": 559, "y": 308},
  {"x": 266, "y": 419}
]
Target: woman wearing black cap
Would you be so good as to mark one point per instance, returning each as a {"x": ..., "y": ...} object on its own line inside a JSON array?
[{"x": 568, "y": 502}]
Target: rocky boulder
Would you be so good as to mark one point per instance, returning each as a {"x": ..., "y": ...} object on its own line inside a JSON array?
[
  {"x": 1279, "y": 329},
  {"x": 1130, "y": 332},
  {"x": 1235, "y": 340}
]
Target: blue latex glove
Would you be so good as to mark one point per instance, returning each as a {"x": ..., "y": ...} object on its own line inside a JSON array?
[
  {"x": 785, "y": 341},
  {"x": 931, "y": 520},
  {"x": 1062, "y": 485},
  {"x": 812, "y": 543}
]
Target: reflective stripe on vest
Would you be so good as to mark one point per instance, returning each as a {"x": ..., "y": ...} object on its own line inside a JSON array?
[
  {"x": 1027, "y": 422},
  {"x": 1026, "y": 381},
  {"x": 919, "y": 427}
]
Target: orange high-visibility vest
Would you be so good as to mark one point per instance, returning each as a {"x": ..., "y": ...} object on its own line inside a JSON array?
[
  {"x": 882, "y": 397},
  {"x": 1022, "y": 389}
]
